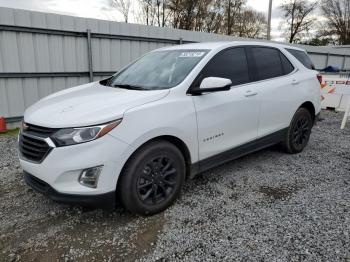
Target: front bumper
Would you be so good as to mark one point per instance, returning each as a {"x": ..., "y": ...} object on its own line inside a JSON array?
[
  {"x": 105, "y": 201},
  {"x": 57, "y": 175}
]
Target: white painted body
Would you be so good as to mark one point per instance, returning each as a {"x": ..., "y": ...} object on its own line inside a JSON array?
[{"x": 240, "y": 115}]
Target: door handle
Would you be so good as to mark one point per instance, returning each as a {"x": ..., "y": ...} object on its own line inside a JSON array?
[
  {"x": 250, "y": 93},
  {"x": 295, "y": 82}
]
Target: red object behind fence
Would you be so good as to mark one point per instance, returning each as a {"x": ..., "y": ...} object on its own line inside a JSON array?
[{"x": 2, "y": 125}]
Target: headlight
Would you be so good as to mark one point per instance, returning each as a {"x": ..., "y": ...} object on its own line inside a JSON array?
[{"x": 72, "y": 136}]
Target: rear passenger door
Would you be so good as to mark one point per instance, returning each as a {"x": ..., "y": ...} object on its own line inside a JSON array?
[
  {"x": 230, "y": 118},
  {"x": 276, "y": 83}
]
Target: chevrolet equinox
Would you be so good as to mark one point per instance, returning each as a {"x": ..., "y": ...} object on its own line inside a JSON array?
[{"x": 169, "y": 115}]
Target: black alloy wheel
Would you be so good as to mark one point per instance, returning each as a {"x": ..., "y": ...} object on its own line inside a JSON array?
[
  {"x": 299, "y": 131},
  {"x": 152, "y": 178},
  {"x": 157, "y": 181}
]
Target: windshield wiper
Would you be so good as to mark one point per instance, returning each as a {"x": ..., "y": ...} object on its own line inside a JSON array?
[{"x": 131, "y": 87}]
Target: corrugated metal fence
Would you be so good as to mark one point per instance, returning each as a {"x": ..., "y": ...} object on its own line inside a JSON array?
[{"x": 43, "y": 53}]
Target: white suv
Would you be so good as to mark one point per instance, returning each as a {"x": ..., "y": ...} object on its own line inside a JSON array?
[{"x": 171, "y": 114}]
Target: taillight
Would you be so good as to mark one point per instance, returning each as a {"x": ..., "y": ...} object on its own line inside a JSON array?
[{"x": 319, "y": 77}]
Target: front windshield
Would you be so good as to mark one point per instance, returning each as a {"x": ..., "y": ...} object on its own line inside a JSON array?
[{"x": 158, "y": 70}]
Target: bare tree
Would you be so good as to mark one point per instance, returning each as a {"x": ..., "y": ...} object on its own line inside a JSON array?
[
  {"x": 337, "y": 13},
  {"x": 158, "y": 11},
  {"x": 145, "y": 6},
  {"x": 164, "y": 13},
  {"x": 161, "y": 12},
  {"x": 183, "y": 12},
  {"x": 215, "y": 16},
  {"x": 233, "y": 9},
  {"x": 252, "y": 24},
  {"x": 123, "y": 6},
  {"x": 297, "y": 17},
  {"x": 149, "y": 11}
]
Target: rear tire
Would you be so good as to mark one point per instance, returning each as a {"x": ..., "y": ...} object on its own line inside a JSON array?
[
  {"x": 299, "y": 132},
  {"x": 152, "y": 178}
]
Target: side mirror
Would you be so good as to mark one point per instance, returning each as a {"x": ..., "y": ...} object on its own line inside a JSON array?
[{"x": 212, "y": 84}]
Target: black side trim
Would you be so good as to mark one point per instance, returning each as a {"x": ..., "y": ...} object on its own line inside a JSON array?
[
  {"x": 239, "y": 151},
  {"x": 105, "y": 201}
]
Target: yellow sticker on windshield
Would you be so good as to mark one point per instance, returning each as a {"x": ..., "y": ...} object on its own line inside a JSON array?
[{"x": 192, "y": 54}]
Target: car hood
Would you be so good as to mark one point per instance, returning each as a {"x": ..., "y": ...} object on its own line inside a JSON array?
[{"x": 86, "y": 105}]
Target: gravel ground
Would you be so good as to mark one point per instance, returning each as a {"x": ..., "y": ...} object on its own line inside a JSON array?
[{"x": 268, "y": 206}]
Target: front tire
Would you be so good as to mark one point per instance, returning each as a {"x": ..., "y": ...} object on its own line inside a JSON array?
[
  {"x": 299, "y": 132},
  {"x": 152, "y": 178}
]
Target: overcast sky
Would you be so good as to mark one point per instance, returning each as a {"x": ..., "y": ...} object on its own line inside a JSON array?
[{"x": 100, "y": 9}]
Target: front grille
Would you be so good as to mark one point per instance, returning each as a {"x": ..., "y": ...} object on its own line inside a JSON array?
[
  {"x": 39, "y": 131},
  {"x": 33, "y": 149},
  {"x": 32, "y": 145}
]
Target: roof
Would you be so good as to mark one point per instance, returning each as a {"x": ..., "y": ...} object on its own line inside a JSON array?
[{"x": 224, "y": 44}]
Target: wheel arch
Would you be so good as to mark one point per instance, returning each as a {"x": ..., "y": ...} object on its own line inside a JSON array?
[
  {"x": 310, "y": 107},
  {"x": 180, "y": 144}
]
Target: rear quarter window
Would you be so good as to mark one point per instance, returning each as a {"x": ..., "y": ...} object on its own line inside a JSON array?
[
  {"x": 302, "y": 57},
  {"x": 287, "y": 66}
]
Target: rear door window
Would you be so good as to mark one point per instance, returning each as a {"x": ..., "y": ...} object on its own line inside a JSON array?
[
  {"x": 302, "y": 57},
  {"x": 268, "y": 62}
]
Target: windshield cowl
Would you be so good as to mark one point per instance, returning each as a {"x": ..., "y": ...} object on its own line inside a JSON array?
[{"x": 127, "y": 86}]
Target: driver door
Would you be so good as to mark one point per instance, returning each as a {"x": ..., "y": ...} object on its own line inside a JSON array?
[{"x": 227, "y": 119}]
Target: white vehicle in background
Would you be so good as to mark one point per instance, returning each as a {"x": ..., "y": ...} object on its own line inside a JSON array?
[{"x": 171, "y": 114}]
